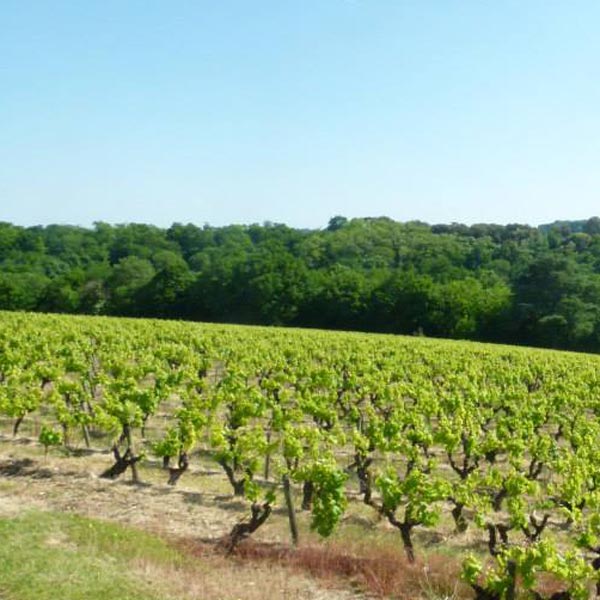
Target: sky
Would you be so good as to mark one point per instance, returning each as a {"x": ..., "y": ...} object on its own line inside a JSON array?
[{"x": 292, "y": 112}]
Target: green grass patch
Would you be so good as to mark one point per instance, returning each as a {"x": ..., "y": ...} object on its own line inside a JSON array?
[{"x": 44, "y": 556}]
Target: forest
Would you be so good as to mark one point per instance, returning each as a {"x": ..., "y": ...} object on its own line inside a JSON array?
[{"x": 517, "y": 284}]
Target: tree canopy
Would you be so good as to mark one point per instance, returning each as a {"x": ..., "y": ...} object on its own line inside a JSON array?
[{"x": 513, "y": 283}]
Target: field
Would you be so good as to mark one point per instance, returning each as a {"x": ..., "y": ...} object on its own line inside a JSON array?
[{"x": 340, "y": 464}]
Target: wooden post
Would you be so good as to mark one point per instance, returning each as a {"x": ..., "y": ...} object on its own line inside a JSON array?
[{"x": 289, "y": 502}]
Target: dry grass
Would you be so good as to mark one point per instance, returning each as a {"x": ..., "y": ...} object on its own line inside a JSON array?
[
  {"x": 217, "y": 578},
  {"x": 46, "y": 555},
  {"x": 383, "y": 572}
]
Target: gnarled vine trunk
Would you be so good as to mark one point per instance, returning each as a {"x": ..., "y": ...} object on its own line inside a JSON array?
[{"x": 259, "y": 513}]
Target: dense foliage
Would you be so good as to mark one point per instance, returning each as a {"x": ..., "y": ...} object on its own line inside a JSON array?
[
  {"x": 514, "y": 283},
  {"x": 429, "y": 434}
]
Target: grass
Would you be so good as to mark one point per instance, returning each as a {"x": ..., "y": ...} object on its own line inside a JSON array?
[
  {"x": 48, "y": 555},
  {"x": 381, "y": 572}
]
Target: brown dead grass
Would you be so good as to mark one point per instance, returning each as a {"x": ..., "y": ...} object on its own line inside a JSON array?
[
  {"x": 217, "y": 578},
  {"x": 384, "y": 573}
]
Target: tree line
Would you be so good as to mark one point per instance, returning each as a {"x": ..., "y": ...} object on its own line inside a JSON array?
[{"x": 500, "y": 283}]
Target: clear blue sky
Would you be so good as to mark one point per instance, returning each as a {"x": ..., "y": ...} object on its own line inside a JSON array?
[{"x": 294, "y": 111}]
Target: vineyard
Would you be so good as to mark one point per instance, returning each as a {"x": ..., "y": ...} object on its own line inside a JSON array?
[{"x": 425, "y": 435}]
